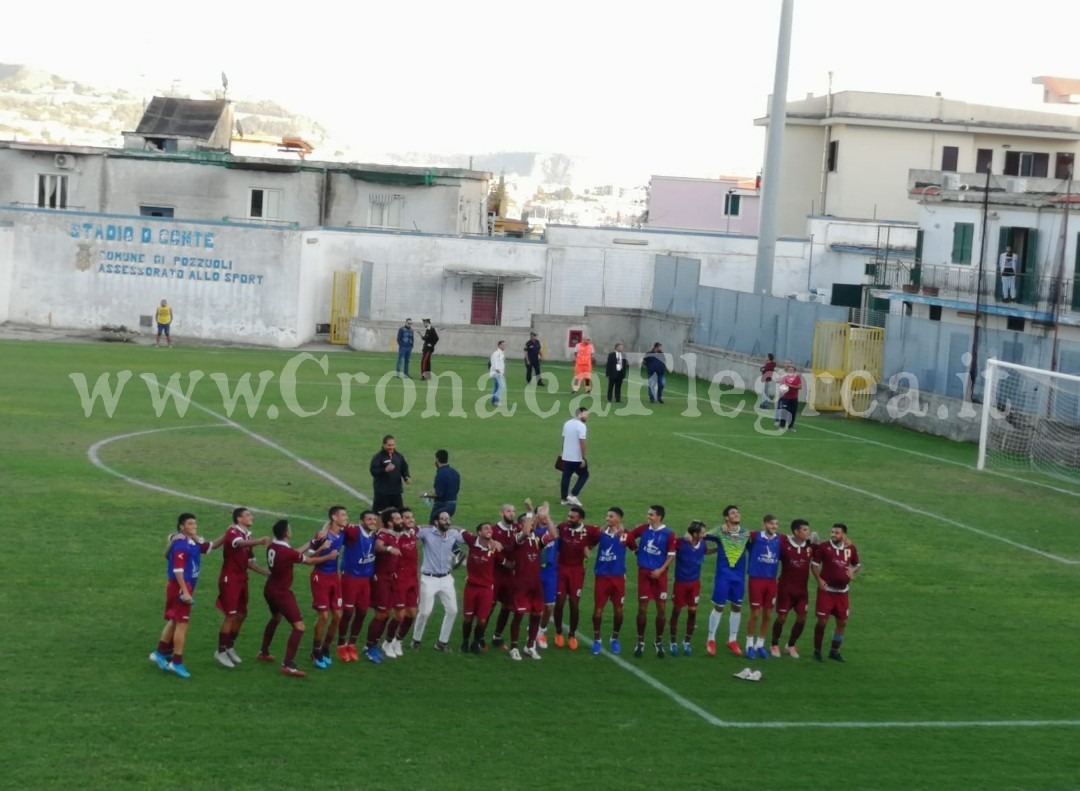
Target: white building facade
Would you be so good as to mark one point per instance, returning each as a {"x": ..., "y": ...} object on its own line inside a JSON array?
[{"x": 848, "y": 154}]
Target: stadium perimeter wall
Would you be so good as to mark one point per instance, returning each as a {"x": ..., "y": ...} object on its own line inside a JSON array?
[{"x": 7, "y": 239}]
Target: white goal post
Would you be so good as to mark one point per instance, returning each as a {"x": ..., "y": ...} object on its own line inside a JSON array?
[{"x": 1030, "y": 421}]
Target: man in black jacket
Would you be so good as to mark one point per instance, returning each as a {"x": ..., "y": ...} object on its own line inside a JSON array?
[
  {"x": 616, "y": 373},
  {"x": 389, "y": 471},
  {"x": 655, "y": 363},
  {"x": 429, "y": 339}
]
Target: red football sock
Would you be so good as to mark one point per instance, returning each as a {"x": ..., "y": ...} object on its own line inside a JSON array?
[
  {"x": 268, "y": 637},
  {"x": 293, "y": 646},
  {"x": 375, "y": 631},
  {"x": 357, "y": 625},
  {"x": 406, "y": 624},
  {"x": 595, "y": 627},
  {"x": 691, "y": 622},
  {"x": 819, "y": 636},
  {"x": 222, "y": 641}
]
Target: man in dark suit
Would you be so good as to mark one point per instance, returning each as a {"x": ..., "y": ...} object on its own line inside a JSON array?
[{"x": 616, "y": 374}]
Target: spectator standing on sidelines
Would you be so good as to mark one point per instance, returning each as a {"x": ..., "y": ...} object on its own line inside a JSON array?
[
  {"x": 835, "y": 564},
  {"x": 533, "y": 355},
  {"x": 788, "y": 390},
  {"x": 656, "y": 370},
  {"x": 574, "y": 463},
  {"x": 767, "y": 373},
  {"x": 405, "y": 341},
  {"x": 429, "y": 339},
  {"x": 497, "y": 368},
  {"x": 389, "y": 471},
  {"x": 616, "y": 373},
  {"x": 444, "y": 489},
  {"x": 163, "y": 316}
]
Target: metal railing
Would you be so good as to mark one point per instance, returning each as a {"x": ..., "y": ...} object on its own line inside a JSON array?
[{"x": 959, "y": 283}]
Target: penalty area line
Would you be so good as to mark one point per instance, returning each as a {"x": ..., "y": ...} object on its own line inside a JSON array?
[
  {"x": 888, "y": 501},
  {"x": 969, "y": 467}
]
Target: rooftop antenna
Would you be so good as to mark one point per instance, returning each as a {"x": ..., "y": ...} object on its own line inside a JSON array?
[{"x": 224, "y": 86}]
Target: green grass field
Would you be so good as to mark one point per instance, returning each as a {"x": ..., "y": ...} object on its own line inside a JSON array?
[{"x": 961, "y": 647}]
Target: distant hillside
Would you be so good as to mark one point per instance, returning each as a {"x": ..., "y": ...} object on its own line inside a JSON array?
[{"x": 40, "y": 107}]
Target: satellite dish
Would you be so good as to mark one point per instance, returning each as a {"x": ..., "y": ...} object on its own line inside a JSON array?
[
  {"x": 239, "y": 128},
  {"x": 224, "y": 81}
]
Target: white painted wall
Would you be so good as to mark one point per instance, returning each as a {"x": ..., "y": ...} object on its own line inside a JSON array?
[
  {"x": 7, "y": 264},
  {"x": 200, "y": 187},
  {"x": 800, "y": 177},
  {"x": 72, "y": 265},
  {"x": 85, "y": 270}
]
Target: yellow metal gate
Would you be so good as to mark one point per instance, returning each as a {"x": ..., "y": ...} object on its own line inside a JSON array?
[
  {"x": 342, "y": 306},
  {"x": 847, "y": 363}
]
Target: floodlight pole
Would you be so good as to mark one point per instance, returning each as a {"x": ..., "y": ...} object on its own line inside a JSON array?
[
  {"x": 973, "y": 369},
  {"x": 770, "y": 188}
]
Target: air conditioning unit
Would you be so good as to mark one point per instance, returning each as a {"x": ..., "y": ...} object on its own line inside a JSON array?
[
  {"x": 950, "y": 181},
  {"x": 1016, "y": 185},
  {"x": 65, "y": 161}
]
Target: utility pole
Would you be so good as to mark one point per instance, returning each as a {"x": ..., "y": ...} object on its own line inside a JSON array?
[{"x": 770, "y": 191}]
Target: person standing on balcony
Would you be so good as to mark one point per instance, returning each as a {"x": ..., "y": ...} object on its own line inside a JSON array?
[{"x": 1007, "y": 264}]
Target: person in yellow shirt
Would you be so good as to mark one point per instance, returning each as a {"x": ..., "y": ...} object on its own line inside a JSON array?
[
  {"x": 583, "y": 363},
  {"x": 164, "y": 319}
]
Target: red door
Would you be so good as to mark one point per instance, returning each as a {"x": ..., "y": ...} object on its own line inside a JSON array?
[{"x": 487, "y": 303}]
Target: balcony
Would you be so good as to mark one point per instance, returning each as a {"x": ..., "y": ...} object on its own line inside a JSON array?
[{"x": 958, "y": 284}]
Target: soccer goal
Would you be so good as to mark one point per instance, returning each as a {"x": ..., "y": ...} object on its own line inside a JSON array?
[{"x": 1030, "y": 421}]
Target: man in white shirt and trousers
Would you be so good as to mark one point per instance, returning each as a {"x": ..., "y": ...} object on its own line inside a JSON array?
[
  {"x": 497, "y": 368},
  {"x": 573, "y": 457}
]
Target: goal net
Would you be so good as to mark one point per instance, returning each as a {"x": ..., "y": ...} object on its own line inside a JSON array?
[{"x": 1030, "y": 421}]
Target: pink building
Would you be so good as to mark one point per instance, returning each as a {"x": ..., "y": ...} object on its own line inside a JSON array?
[{"x": 727, "y": 205}]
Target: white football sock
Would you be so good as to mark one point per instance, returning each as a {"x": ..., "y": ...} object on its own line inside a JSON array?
[
  {"x": 733, "y": 626},
  {"x": 714, "y": 624}
]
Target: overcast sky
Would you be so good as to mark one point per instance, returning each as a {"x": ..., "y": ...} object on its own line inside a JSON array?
[{"x": 667, "y": 87}]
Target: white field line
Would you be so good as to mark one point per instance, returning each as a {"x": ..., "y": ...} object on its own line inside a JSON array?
[
  {"x": 640, "y": 674},
  {"x": 307, "y": 465},
  {"x": 888, "y": 501},
  {"x": 715, "y": 721},
  {"x": 93, "y": 454},
  {"x": 943, "y": 460},
  {"x": 659, "y": 686},
  {"x": 755, "y": 436}
]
